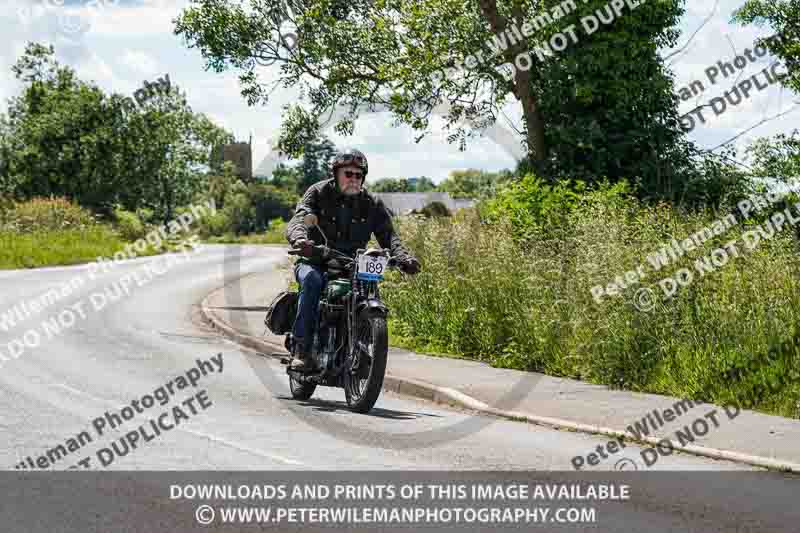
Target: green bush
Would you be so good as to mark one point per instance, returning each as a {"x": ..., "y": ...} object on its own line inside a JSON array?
[
  {"x": 270, "y": 203},
  {"x": 435, "y": 209},
  {"x": 128, "y": 224},
  {"x": 276, "y": 232},
  {"x": 532, "y": 206},
  {"x": 248, "y": 209},
  {"x": 146, "y": 215},
  {"x": 210, "y": 225},
  {"x": 240, "y": 213}
]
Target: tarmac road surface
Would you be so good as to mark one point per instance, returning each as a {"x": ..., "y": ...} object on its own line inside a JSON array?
[{"x": 116, "y": 352}]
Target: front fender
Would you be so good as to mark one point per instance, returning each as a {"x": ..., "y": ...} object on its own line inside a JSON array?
[{"x": 370, "y": 308}]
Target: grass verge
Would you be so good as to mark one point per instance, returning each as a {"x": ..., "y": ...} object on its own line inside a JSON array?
[
  {"x": 527, "y": 304},
  {"x": 65, "y": 247},
  {"x": 270, "y": 237}
]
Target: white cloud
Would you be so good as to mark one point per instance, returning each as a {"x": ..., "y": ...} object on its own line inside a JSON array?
[
  {"x": 154, "y": 17},
  {"x": 139, "y": 62}
]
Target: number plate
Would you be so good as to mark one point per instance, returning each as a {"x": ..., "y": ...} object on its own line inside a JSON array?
[{"x": 371, "y": 267}]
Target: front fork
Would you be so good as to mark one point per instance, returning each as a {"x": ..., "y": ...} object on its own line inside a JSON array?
[
  {"x": 366, "y": 308},
  {"x": 351, "y": 325}
]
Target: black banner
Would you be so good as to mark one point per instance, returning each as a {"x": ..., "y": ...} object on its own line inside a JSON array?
[{"x": 84, "y": 502}]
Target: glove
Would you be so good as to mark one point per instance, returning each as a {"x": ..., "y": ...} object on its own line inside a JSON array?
[
  {"x": 410, "y": 265},
  {"x": 305, "y": 246}
]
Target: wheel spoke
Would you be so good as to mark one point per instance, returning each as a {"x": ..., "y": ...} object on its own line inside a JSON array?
[
  {"x": 365, "y": 346},
  {"x": 363, "y": 383}
]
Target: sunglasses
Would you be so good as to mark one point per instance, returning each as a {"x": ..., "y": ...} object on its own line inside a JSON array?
[{"x": 351, "y": 174}]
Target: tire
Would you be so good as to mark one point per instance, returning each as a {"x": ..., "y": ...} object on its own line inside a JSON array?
[
  {"x": 300, "y": 390},
  {"x": 362, "y": 391}
]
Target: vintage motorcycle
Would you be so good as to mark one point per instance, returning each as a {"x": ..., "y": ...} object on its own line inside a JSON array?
[{"x": 351, "y": 342}]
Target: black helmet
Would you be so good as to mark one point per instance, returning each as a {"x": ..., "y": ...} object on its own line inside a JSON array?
[{"x": 351, "y": 156}]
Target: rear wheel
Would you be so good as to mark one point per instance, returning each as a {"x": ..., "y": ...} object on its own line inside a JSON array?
[{"x": 362, "y": 386}]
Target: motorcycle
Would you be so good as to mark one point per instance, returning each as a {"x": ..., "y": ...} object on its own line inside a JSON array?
[{"x": 351, "y": 341}]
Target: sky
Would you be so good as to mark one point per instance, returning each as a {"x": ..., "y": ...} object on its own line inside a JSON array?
[{"x": 122, "y": 43}]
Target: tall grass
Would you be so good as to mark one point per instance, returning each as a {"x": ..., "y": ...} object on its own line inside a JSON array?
[
  {"x": 58, "y": 247},
  {"x": 527, "y": 303},
  {"x": 45, "y": 214},
  {"x": 54, "y": 231}
]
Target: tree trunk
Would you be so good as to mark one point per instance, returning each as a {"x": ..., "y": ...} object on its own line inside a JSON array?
[{"x": 534, "y": 123}]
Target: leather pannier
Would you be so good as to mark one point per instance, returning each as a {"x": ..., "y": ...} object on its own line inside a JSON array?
[{"x": 282, "y": 312}]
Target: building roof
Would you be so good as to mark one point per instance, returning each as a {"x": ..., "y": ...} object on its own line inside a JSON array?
[{"x": 400, "y": 203}]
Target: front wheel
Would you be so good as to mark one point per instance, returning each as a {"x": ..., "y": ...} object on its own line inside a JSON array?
[{"x": 362, "y": 386}]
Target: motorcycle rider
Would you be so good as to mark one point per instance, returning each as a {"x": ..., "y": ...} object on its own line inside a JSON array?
[{"x": 348, "y": 215}]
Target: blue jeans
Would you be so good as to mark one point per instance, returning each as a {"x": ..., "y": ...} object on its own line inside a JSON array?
[{"x": 311, "y": 282}]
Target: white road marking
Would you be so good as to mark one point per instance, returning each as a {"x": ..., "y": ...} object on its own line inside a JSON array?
[
  {"x": 244, "y": 448},
  {"x": 213, "y": 438}
]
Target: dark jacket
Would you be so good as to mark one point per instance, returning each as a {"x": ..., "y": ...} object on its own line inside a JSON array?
[{"x": 348, "y": 221}]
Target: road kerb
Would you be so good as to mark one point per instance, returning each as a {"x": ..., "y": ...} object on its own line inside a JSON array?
[{"x": 449, "y": 396}]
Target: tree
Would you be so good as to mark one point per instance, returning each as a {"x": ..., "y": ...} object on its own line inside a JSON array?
[
  {"x": 421, "y": 184},
  {"x": 317, "y": 155},
  {"x": 270, "y": 203},
  {"x": 610, "y": 104},
  {"x": 473, "y": 183},
  {"x": 219, "y": 183},
  {"x": 784, "y": 17},
  {"x": 63, "y": 136},
  {"x": 285, "y": 177},
  {"x": 390, "y": 185},
  {"x": 424, "y": 184},
  {"x": 175, "y": 144},
  {"x": 392, "y": 53},
  {"x": 59, "y": 133},
  {"x": 250, "y": 207},
  {"x": 777, "y": 157}
]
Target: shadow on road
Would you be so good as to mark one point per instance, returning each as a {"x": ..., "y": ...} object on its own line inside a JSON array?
[{"x": 339, "y": 406}]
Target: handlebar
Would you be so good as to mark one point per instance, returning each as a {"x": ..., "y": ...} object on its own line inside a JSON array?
[
  {"x": 322, "y": 252},
  {"x": 325, "y": 253}
]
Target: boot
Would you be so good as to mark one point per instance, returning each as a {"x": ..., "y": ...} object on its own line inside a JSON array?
[{"x": 302, "y": 358}]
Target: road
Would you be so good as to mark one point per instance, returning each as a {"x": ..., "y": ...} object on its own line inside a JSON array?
[{"x": 135, "y": 345}]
